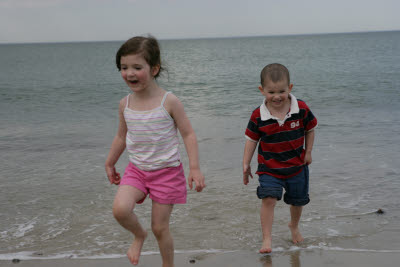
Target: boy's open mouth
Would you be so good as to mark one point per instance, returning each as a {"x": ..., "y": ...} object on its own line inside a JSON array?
[{"x": 134, "y": 82}]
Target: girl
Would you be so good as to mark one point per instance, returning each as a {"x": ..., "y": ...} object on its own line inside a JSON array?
[{"x": 148, "y": 123}]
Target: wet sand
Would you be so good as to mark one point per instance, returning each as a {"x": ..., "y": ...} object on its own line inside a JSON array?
[{"x": 309, "y": 258}]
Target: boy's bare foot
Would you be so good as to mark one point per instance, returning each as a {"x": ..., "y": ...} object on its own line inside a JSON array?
[
  {"x": 296, "y": 235},
  {"x": 266, "y": 246},
  {"x": 135, "y": 249}
]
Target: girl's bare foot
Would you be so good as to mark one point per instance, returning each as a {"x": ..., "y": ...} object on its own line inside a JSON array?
[
  {"x": 266, "y": 246},
  {"x": 296, "y": 235},
  {"x": 135, "y": 249}
]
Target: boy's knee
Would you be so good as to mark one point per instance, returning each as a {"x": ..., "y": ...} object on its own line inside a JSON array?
[{"x": 269, "y": 201}]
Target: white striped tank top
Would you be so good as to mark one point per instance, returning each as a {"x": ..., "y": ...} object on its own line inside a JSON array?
[{"x": 152, "y": 139}]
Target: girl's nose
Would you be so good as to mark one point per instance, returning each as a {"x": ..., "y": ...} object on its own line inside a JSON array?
[{"x": 130, "y": 73}]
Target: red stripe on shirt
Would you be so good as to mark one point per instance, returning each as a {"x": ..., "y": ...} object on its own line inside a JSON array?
[{"x": 282, "y": 146}]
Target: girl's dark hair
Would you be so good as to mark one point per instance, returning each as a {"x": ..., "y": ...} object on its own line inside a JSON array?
[
  {"x": 146, "y": 46},
  {"x": 274, "y": 72}
]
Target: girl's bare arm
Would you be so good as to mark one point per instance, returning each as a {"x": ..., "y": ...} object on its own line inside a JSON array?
[
  {"x": 117, "y": 147},
  {"x": 176, "y": 109}
]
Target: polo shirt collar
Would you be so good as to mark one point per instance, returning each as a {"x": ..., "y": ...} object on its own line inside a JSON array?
[{"x": 266, "y": 115}]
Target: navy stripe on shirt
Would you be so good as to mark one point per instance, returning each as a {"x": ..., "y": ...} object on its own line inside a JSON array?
[{"x": 281, "y": 149}]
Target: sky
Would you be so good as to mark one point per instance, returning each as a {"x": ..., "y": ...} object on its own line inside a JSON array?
[{"x": 29, "y": 21}]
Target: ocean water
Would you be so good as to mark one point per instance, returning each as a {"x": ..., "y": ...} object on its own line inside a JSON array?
[{"x": 58, "y": 116}]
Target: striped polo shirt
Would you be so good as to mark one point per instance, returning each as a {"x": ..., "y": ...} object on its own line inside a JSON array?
[
  {"x": 281, "y": 142},
  {"x": 152, "y": 139}
]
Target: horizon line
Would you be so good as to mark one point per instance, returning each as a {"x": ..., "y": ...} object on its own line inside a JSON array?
[{"x": 198, "y": 38}]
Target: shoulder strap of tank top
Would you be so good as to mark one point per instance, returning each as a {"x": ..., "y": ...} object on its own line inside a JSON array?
[
  {"x": 127, "y": 100},
  {"x": 165, "y": 97}
]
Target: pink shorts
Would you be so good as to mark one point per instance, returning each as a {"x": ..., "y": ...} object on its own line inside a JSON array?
[{"x": 165, "y": 186}]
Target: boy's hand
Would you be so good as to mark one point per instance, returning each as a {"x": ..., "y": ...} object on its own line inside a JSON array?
[
  {"x": 246, "y": 174},
  {"x": 198, "y": 178},
  {"x": 307, "y": 158},
  {"x": 113, "y": 176}
]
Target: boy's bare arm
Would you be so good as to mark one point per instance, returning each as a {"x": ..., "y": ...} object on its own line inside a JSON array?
[
  {"x": 249, "y": 149},
  {"x": 309, "y": 142}
]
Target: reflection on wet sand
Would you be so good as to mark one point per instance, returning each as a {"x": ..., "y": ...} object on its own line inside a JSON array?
[{"x": 266, "y": 260}]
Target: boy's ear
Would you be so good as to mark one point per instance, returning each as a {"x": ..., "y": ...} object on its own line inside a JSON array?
[
  {"x": 261, "y": 89},
  {"x": 290, "y": 87}
]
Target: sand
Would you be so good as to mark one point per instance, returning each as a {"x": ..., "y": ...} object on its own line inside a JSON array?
[{"x": 306, "y": 258}]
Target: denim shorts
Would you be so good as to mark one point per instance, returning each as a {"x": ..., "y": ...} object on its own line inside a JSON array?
[{"x": 296, "y": 188}]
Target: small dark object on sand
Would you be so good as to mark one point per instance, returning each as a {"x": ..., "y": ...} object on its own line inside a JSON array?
[
  {"x": 15, "y": 261},
  {"x": 380, "y": 211},
  {"x": 192, "y": 261}
]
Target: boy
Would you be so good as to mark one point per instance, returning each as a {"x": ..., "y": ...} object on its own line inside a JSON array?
[{"x": 282, "y": 125}]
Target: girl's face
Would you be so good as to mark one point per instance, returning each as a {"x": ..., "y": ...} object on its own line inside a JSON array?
[
  {"x": 277, "y": 94},
  {"x": 136, "y": 72}
]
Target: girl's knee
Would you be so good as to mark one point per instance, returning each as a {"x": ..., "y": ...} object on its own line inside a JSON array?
[
  {"x": 159, "y": 229},
  {"x": 120, "y": 211}
]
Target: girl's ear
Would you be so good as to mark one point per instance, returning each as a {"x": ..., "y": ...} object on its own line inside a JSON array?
[{"x": 155, "y": 70}]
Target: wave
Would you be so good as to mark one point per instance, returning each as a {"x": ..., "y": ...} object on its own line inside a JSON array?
[
  {"x": 29, "y": 255},
  {"x": 379, "y": 211}
]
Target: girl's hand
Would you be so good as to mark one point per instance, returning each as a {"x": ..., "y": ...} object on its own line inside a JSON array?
[
  {"x": 246, "y": 174},
  {"x": 307, "y": 158},
  {"x": 113, "y": 176},
  {"x": 198, "y": 178}
]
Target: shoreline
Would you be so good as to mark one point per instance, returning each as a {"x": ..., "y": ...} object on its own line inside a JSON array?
[{"x": 297, "y": 258}]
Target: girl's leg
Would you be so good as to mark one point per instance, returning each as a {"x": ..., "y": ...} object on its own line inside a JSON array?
[
  {"x": 295, "y": 214},
  {"x": 267, "y": 218},
  {"x": 160, "y": 226},
  {"x": 124, "y": 203}
]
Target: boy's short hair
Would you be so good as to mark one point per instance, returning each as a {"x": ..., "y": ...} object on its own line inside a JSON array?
[
  {"x": 148, "y": 47},
  {"x": 274, "y": 72}
]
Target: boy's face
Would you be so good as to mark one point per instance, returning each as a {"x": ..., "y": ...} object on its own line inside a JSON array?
[{"x": 276, "y": 93}]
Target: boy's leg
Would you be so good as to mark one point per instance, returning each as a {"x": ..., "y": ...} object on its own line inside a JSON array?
[
  {"x": 123, "y": 206},
  {"x": 267, "y": 218},
  {"x": 297, "y": 197},
  {"x": 270, "y": 191},
  {"x": 160, "y": 216},
  {"x": 295, "y": 214}
]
